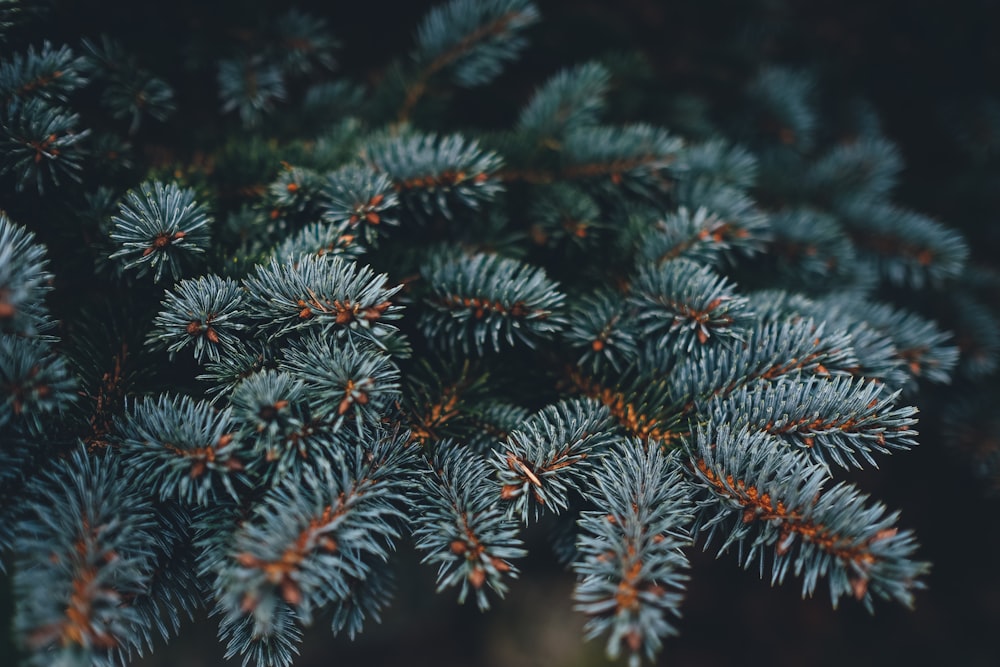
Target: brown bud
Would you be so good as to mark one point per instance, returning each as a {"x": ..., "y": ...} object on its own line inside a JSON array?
[
  {"x": 859, "y": 587},
  {"x": 500, "y": 565},
  {"x": 290, "y": 592},
  {"x": 510, "y": 491},
  {"x": 246, "y": 560}
]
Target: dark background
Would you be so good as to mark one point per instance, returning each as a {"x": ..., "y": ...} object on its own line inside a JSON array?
[{"x": 924, "y": 66}]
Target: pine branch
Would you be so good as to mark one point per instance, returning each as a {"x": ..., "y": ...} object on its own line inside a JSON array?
[
  {"x": 572, "y": 98},
  {"x": 642, "y": 404},
  {"x": 600, "y": 326},
  {"x": 35, "y": 383},
  {"x": 470, "y": 41},
  {"x": 273, "y": 409},
  {"x": 205, "y": 313},
  {"x": 361, "y": 201},
  {"x": 181, "y": 449},
  {"x": 680, "y": 303},
  {"x": 158, "y": 228},
  {"x": 74, "y": 605},
  {"x": 550, "y": 454},
  {"x": 811, "y": 247},
  {"x": 319, "y": 239},
  {"x": 634, "y": 158},
  {"x": 129, "y": 91},
  {"x": 435, "y": 397},
  {"x": 783, "y": 102},
  {"x": 343, "y": 380},
  {"x": 250, "y": 86},
  {"x": 437, "y": 174},
  {"x": 703, "y": 236},
  {"x": 868, "y": 168},
  {"x": 838, "y": 418},
  {"x": 480, "y": 300},
  {"x": 40, "y": 143},
  {"x": 50, "y": 74},
  {"x": 331, "y": 295},
  {"x": 24, "y": 280},
  {"x": 908, "y": 248},
  {"x": 630, "y": 569},
  {"x": 758, "y": 494},
  {"x": 770, "y": 351},
  {"x": 719, "y": 162},
  {"x": 309, "y": 539},
  {"x": 566, "y": 217},
  {"x": 460, "y": 526}
]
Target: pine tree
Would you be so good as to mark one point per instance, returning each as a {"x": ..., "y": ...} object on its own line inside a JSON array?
[{"x": 238, "y": 379}]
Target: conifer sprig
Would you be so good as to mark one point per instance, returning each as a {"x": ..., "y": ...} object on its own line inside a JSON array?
[
  {"x": 204, "y": 313},
  {"x": 462, "y": 528},
  {"x": 310, "y": 538},
  {"x": 634, "y": 158},
  {"x": 469, "y": 41},
  {"x": 272, "y": 408},
  {"x": 570, "y": 99},
  {"x": 703, "y": 236},
  {"x": 480, "y": 301},
  {"x": 332, "y": 295},
  {"x": 251, "y": 87},
  {"x": 343, "y": 381},
  {"x": 566, "y": 217},
  {"x": 908, "y": 248},
  {"x": 360, "y": 201},
  {"x": 321, "y": 239},
  {"x": 599, "y": 326},
  {"x": 24, "y": 280},
  {"x": 40, "y": 144},
  {"x": 437, "y": 174},
  {"x": 49, "y": 73},
  {"x": 551, "y": 453},
  {"x": 811, "y": 245},
  {"x": 838, "y": 419},
  {"x": 35, "y": 383},
  {"x": 631, "y": 571},
  {"x": 129, "y": 91},
  {"x": 74, "y": 605},
  {"x": 643, "y": 403},
  {"x": 684, "y": 304},
  {"x": 158, "y": 229},
  {"x": 181, "y": 449},
  {"x": 771, "y": 350},
  {"x": 758, "y": 495}
]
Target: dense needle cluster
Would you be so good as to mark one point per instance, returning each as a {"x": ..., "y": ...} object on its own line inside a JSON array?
[{"x": 347, "y": 325}]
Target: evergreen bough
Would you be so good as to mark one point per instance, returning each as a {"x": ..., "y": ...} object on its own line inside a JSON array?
[{"x": 353, "y": 327}]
